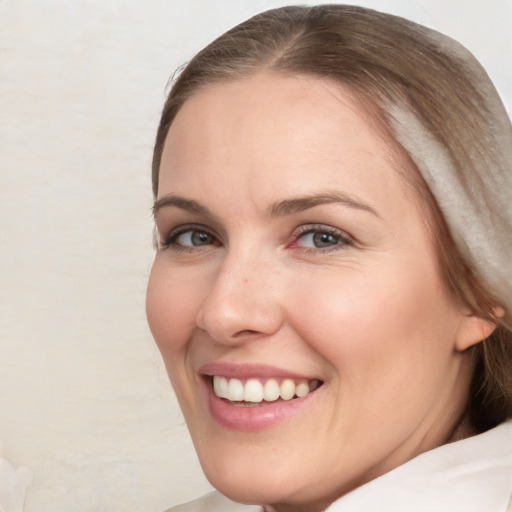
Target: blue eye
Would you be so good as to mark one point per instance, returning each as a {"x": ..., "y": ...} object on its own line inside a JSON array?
[
  {"x": 193, "y": 238},
  {"x": 322, "y": 237},
  {"x": 320, "y": 240},
  {"x": 189, "y": 238}
]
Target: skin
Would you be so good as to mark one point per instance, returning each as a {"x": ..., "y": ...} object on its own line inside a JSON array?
[{"x": 366, "y": 313}]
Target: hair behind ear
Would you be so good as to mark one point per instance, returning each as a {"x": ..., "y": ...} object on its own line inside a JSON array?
[{"x": 490, "y": 399}]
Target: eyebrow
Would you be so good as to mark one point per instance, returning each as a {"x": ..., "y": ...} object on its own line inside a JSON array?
[
  {"x": 279, "y": 209},
  {"x": 300, "y": 204},
  {"x": 180, "y": 202}
]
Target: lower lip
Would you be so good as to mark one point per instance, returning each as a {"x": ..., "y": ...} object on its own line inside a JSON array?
[{"x": 252, "y": 419}]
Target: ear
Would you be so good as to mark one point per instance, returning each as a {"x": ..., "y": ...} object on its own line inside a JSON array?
[{"x": 474, "y": 329}]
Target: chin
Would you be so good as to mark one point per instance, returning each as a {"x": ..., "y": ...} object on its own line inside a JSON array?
[
  {"x": 258, "y": 475},
  {"x": 244, "y": 488},
  {"x": 250, "y": 480}
]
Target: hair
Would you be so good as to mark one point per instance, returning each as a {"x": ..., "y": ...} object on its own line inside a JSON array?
[{"x": 391, "y": 66}]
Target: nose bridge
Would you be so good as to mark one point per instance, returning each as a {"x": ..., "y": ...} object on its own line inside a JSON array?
[{"x": 241, "y": 299}]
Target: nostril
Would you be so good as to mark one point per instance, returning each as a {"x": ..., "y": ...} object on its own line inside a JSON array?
[{"x": 245, "y": 332}]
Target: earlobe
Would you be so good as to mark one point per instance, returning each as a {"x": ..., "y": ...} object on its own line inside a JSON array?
[{"x": 475, "y": 329}]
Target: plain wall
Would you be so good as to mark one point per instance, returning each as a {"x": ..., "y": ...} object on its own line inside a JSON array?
[{"x": 84, "y": 399}]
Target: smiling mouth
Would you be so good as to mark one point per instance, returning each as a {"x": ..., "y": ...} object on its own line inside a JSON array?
[{"x": 256, "y": 392}]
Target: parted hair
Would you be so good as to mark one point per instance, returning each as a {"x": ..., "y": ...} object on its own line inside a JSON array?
[{"x": 383, "y": 60}]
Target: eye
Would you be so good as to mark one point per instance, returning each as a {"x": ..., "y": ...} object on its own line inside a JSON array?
[
  {"x": 189, "y": 238},
  {"x": 319, "y": 240},
  {"x": 194, "y": 238},
  {"x": 321, "y": 237}
]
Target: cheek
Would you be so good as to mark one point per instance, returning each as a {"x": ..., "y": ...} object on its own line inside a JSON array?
[
  {"x": 171, "y": 308},
  {"x": 367, "y": 323},
  {"x": 385, "y": 345}
]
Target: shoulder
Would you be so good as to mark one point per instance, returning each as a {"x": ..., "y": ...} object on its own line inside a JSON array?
[{"x": 214, "y": 502}]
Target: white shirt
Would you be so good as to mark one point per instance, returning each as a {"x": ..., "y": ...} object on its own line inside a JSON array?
[{"x": 472, "y": 475}]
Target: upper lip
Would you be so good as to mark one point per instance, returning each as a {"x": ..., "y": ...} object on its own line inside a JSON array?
[{"x": 248, "y": 371}]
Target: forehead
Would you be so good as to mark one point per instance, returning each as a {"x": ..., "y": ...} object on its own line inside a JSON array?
[{"x": 268, "y": 119}]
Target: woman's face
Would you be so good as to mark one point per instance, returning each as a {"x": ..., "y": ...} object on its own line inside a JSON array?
[{"x": 294, "y": 260}]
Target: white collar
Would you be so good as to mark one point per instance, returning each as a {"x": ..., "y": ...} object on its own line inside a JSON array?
[{"x": 472, "y": 475}]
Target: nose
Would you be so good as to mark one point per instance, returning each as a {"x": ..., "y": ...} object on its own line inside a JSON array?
[{"x": 242, "y": 302}]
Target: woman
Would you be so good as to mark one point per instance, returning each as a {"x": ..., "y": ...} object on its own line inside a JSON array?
[{"x": 331, "y": 291}]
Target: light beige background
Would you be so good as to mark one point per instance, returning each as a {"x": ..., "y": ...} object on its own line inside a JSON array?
[{"x": 84, "y": 399}]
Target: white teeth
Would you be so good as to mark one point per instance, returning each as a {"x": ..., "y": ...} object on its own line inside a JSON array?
[
  {"x": 220, "y": 385},
  {"x": 302, "y": 389},
  {"x": 287, "y": 389},
  {"x": 271, "y": 390},
  {"x": 235, "y": 390},
  {"x": 255, "y": 392}
]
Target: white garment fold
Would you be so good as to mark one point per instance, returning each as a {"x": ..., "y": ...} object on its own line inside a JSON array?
[
  {"x": 13, "y": 486},
  {"x": 472, "y": 475}
]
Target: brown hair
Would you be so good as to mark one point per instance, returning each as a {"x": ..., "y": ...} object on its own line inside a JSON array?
[{"x": 384, "y": 60}]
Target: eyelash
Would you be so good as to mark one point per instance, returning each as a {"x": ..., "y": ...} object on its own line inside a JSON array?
[
  {"x": 170, "y": 241},
  {"x": 344, "y": 240}
]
